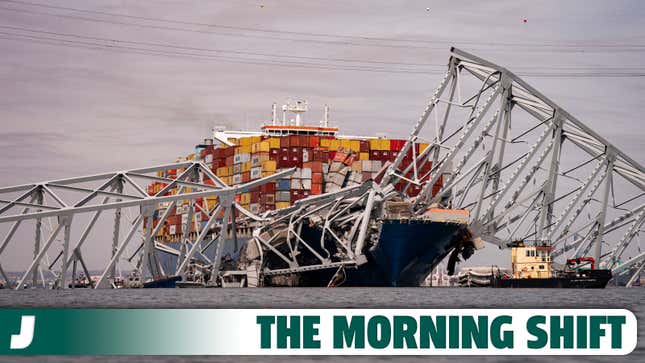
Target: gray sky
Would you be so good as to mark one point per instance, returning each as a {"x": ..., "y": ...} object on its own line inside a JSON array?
[{"x": 68, "y": 111}]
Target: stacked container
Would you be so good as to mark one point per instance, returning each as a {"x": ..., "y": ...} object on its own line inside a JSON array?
[{"x": 323, "y": 164}]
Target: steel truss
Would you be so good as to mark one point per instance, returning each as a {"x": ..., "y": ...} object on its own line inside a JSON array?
[
  {"x": 66, "y": 200},
  {"x": 524, "y": 167}
]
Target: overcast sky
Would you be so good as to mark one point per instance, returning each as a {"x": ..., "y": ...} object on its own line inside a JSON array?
[{"x": 67, "y": 110}]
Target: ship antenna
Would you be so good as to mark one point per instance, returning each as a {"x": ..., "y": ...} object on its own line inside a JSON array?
[
  {"x": 274, "y": 114},
  {"x": 284, "y": 115},
  {"x": 326, "y": 117}
]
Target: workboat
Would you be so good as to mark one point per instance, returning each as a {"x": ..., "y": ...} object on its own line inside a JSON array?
[{"x": 531, "y": 267}]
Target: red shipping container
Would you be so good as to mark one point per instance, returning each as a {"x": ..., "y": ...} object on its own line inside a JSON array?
[
  {"x": 255, "y": 196},
  {"x": 314, "y": 141},
  {"x": 246, "y": 177},
  {"x": 325, "y": 156},
  {"x": 316, "y": 188},
  {"x": 238, "y": 198},
  {"x": 296, "y": 195},
  {"x": 340, "y": 156},
  {"x": 229, "y": 160},
  {"x": 284, "y": 142},
  {"x": 375, "y": 155},
  {"x": 268, "y": 188},
  {"x": 349, "y": 160},
  {"x": 315, "y": 166},
  {"x": 396, "y": 145},
  {"x": 294, "y": 141},
  {"x": 230, "y": 151},
  {"x": 365, "y": 146}
]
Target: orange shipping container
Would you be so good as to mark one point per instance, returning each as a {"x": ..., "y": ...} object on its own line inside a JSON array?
[
  {"x": 316, "y": 189},
  {"x": 316, "y": 178}
]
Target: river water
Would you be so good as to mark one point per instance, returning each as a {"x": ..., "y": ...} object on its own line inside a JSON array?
[{"x": 631, "y": 299}]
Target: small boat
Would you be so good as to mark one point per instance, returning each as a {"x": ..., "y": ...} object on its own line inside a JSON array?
[{"x": 531, "y": 267}]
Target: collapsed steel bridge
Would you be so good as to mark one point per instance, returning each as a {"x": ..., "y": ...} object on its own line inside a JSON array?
[{"x": 524, "y": 167}]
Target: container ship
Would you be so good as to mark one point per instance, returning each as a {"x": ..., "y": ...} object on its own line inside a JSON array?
[{"x": 404, "y": 248}]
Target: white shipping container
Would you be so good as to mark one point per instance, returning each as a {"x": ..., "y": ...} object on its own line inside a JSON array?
[
  {"x": 305, "y": 155},
  {"x": 305, "y": 173},
  {"x": 184, "y": 219},
  {"x": 325, "y": 168},
  {"x": 366, "y": 165},
  {"x": 283, "y": 196},
  {"x": 245, "y": 157},
  {"x": 296, "y": 174},
  {"x": 376, "y": 166},
  {"x": 237, "y": 158},
  {"x": 337, "y": 178},
  {"x": 335, "y": 167},
  {"x": 256, "y": 173},
  {"x": 306, "y": 184},
  {"x": 296, "y": 184},
  {"x": 237, "y": 178},
  {"x": 172, "y": 229}
]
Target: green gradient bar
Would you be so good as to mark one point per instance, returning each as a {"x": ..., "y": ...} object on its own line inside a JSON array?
[
  {"x": 119, "y": 331},
  {"x": 315, "y": 331}
]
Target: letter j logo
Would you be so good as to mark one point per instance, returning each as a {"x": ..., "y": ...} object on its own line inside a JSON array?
[{"x": 26, "y": 334}]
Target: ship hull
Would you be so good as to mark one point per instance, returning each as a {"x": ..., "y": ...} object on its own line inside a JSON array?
[
  {"x": 584, "y": 279},
  {"x": 404, "y": 256}
]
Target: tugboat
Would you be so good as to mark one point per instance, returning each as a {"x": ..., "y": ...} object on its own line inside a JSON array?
[{"x": 531, "y": 267}]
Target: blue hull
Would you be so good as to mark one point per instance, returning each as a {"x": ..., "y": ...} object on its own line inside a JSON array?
[{"x": 404, "y": 256}]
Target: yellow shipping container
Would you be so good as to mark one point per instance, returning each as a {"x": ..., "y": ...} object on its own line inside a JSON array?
[
  {"x": 246, "y": 166},
  {"x": 244, "y": 149},
  {"x": 274, "y": 143},
  {"x": 255, "y": 139},
  {"x": 355, "y": 146},
  {"x": 245, "y": 198},
  {"x": 423, "y": 146},
  {"x": 375, "y": 144},
  {"x": 211, "y": 202},
  {"x": 364, "y": 156},
  {"x": 233, "y": 140},
  {"x": 267, "y": 173},
  {"x": 334, "y": 144},
  {"x": 246, "y": 141},
  {"x": 345, "y": 143},
  {"x": 325, "y": 142},
  {"x": 385, "y": 144},
  {"x": 262, "y": 147},
  {"x": 269, "y": 165},
  {"x": 280, "y": 205}
]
